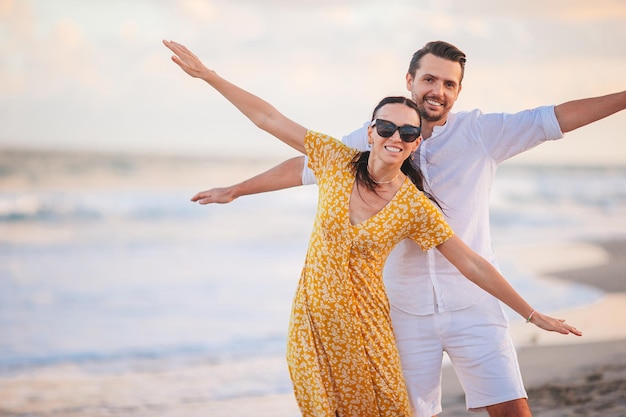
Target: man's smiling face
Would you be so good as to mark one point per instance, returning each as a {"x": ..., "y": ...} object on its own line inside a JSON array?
[{"x": 435, "y": 86}]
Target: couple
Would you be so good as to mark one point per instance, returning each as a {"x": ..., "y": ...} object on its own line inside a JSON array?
[{"x": 342, "y": 353}]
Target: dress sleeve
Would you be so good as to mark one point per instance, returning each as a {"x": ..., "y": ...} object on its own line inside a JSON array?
[
  {"x": 356, "y": 140},
  {"x": 324, "y": 151},
  {"x": 430, "y": 227}
]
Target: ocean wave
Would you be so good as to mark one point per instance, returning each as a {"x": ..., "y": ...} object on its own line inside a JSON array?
[
  {"x": 238, "y": 349},
  {"x": 60, "y": 206}
]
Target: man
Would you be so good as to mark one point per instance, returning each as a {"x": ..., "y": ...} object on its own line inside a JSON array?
[{"x": 433, "y": 308}]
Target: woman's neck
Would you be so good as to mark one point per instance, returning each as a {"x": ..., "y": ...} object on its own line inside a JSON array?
[
  {"x": 383, "y": 173},
  {"x": 381, "y": 181}
]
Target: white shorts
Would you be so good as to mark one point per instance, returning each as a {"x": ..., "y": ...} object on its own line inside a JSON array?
[{"x": 479, "y": 345}]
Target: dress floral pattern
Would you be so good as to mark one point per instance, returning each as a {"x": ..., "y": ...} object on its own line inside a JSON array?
[{"x": 341, "y": 351}]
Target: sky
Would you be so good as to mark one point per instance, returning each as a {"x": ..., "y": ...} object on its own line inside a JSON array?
[{"x": 93, "y": 75}]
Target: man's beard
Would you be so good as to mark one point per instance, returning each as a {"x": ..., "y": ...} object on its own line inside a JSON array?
[
  {"x": 421, "y": 105},
  {"x": 431, "y": 118}
]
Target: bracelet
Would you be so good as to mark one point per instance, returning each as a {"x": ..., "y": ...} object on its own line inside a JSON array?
[{"x": 530, "y": 316}]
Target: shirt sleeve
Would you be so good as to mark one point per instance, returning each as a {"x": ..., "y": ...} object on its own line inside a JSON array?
[
  {"x": 506, "y": 135},
  {"x": 356, "y": 140}
]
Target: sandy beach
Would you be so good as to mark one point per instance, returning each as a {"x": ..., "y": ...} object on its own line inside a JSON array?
[
  {"x": 564, "y": 375},
  {"x": 567, "y": 376}
]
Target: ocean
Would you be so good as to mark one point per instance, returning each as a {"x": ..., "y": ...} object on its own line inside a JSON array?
[{"x": 105, "y": 262}]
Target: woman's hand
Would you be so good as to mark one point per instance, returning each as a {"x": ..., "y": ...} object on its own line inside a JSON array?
[
  {"x": 187, "y": 60},
  {"x": 259, "y": 111},
  {"x": 553, "y": 325}
]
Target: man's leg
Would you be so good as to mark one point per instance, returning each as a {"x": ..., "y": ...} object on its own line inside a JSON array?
[
  {"x": 514, "y": 408},
  {"x": 479, "y": 345},
  {"x": 421, "y": 355}
]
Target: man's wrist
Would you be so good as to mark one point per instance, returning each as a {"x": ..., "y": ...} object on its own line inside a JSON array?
[{"x": 235, "y": 191}]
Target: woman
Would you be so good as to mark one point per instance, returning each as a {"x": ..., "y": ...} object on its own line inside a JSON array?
[{"x": 341, "y": 351}]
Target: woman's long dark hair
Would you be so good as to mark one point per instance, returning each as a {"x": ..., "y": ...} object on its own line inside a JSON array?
[{"x": 359, "y": 162}]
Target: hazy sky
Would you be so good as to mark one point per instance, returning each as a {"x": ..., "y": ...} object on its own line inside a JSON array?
[{"x": 93, "y": 74}]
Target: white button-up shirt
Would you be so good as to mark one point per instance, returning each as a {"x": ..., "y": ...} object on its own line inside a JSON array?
[{"x": 459, "y": 162}]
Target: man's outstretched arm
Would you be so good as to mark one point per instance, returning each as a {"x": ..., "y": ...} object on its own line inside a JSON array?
[
  {"x": 285, "y": 175},
  {"x": 577, "y": 113}
]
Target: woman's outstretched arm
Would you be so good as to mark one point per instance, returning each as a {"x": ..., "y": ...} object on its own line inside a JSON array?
[
  {"x": 482, "y": 273},
  {"x": 260, "y": 112}
]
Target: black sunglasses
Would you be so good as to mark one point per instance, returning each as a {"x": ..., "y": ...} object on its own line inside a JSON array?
[{"x": 386, "y": 129}]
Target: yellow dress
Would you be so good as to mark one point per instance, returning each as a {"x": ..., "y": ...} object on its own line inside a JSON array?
[{"x": 341, "y": 351}]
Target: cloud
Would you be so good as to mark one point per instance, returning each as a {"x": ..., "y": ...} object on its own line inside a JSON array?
[
  {"x": 85, "y": 64},
  {"x": 129, "y": 31},
  {"x": 554, "y": 10},
  {"x": 43, "y": 59},
  {"x": 199, "y": 10},
  {"x": 68, "y": 35}
]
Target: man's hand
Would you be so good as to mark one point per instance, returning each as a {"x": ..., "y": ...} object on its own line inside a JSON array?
[{"x": 220, "y": 195}]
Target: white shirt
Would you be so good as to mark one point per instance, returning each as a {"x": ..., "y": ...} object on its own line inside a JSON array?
[{"x": 459, "y": 162}]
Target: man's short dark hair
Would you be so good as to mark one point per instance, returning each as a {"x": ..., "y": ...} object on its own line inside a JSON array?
[{"x": 439, "y": 49}]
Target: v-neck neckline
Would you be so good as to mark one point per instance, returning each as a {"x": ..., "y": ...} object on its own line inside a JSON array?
[{"x": 383, "y": 208}]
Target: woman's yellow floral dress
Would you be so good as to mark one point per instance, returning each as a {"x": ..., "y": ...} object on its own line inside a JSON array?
[{"x": 341, "y": 351}]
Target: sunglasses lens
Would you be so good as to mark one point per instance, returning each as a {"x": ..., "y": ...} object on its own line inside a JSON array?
[
  {"x": 385, "y": 129},
  {"x": 409, "y": 133}
]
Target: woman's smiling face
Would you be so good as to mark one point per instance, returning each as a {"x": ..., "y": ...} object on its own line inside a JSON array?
[{"x": 393, "y": 148}]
